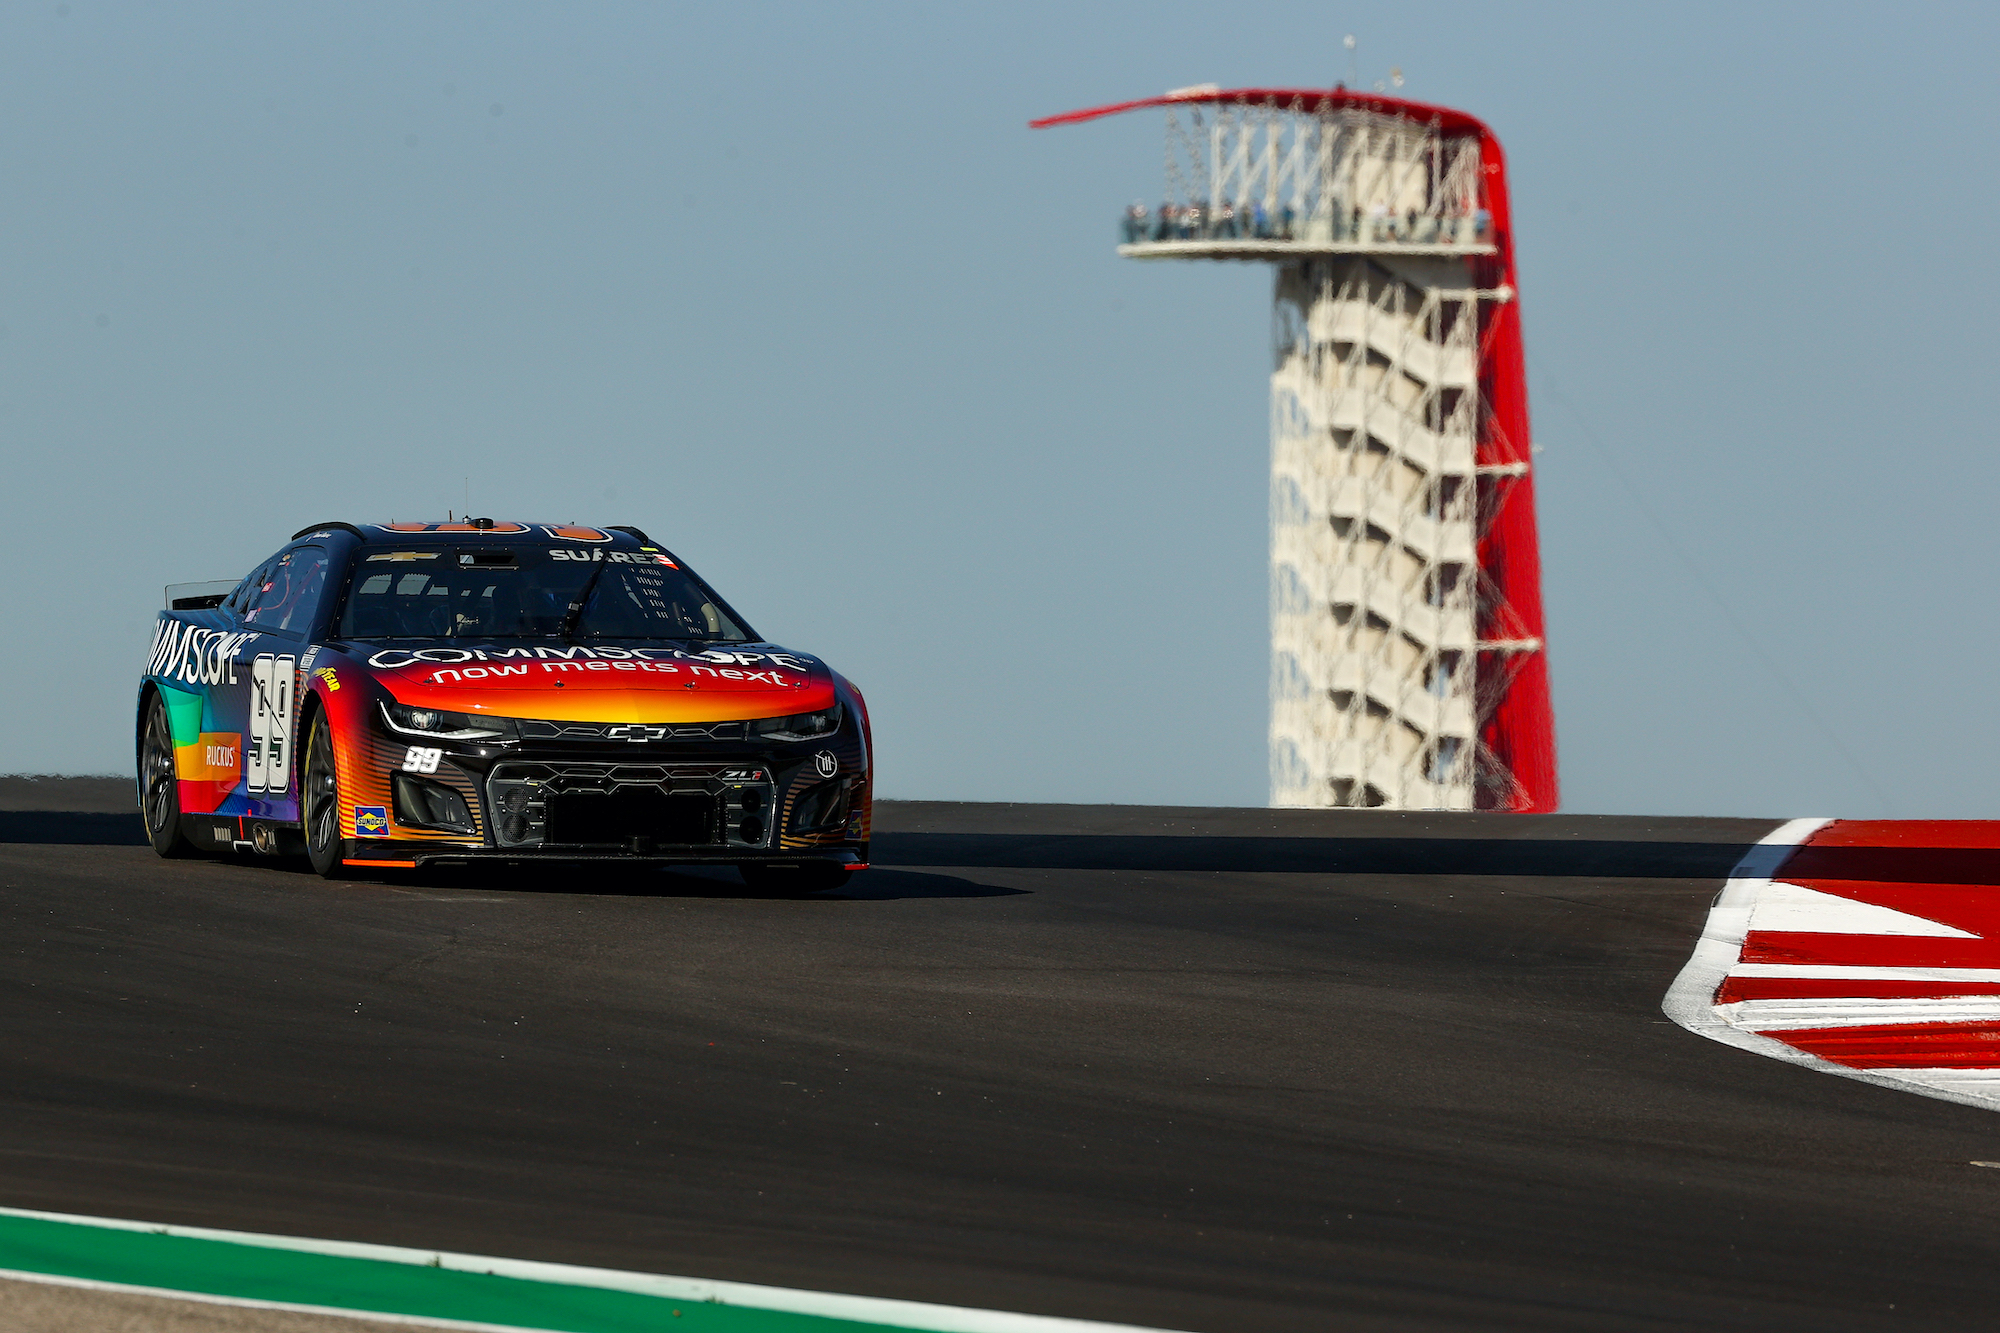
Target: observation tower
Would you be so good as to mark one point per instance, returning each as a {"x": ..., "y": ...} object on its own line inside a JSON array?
[{"x": 1408, "y": 665}]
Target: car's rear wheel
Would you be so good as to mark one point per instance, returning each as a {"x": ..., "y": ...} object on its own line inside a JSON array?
[
  {"x": 160, "y": 803},
  {"x": 784, "y": 881},
  {"x": 320, "y": 798}
]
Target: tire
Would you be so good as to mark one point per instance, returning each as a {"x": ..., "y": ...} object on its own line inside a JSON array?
[
  {"x": 160, "y": 803},
  {"x": 319, "y": 801},
  {"x": 787, "y": 881}
]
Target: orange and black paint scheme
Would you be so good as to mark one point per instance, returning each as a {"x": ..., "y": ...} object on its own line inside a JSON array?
[{"x": 394, "y": 695}]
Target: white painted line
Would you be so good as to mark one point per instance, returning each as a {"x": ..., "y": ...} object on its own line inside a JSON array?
[
  {"x": 1796, "y": 907},
  {"x": 1974, "y": 1087},
  {"x": 826, "y": 1305},
  {"x": 1690, "y": 1001},
  {"x": 1844, "y": 972},
  {"x": 1858, "y": 1011},
  {"x": 251, "y": 1303}
]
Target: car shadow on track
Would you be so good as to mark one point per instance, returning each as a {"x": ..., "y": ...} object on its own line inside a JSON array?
[
  {"x": 599, "y": 879},
  {"x": 884, "y": 884}
]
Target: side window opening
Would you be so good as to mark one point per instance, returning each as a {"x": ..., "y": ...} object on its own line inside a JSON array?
[
  {"x": 289, "y": 591},
  {"x": 238, "y": 601}
]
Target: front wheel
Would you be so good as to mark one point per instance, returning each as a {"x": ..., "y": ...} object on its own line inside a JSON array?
[
  {"x": 321, "y": 799},
  {"x": 160, "y": 806},
  {"x": 785, "y": 881}
]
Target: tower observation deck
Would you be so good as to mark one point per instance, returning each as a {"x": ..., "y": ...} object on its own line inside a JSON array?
[{"x": 1408, "y": 665}]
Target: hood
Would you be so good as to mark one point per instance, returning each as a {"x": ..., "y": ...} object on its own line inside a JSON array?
[{"x": 579, "y": 683}]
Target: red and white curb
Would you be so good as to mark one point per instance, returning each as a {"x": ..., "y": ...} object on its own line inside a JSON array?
[{"x": 1832, "y": 947}]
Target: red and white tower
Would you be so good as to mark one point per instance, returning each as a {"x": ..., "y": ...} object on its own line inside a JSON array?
[{"x": 1408, "y": 664}]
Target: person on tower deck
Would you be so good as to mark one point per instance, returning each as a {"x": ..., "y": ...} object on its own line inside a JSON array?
[
  {"x": 1194, "y": 220},
  {"x": 1135, "y": 223},
  {"x": 1354, "y": 224},
  {"x": 1482, "y": 220},
  {"x": 1260, "y": 221},
  {"x": 1163, "y": 222},
  {"x": 1225, "y": 221},
  {"x": 1378, "y": 222},
  {"x": 1287, "y": 217}
]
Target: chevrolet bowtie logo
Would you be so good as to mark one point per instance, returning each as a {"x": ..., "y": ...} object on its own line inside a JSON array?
[{"x": 636, "y": 732}]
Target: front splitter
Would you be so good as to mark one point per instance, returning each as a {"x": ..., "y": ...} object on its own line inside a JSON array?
[{"x": 363, "y": 854}]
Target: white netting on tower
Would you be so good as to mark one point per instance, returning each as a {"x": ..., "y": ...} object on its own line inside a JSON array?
[
  {"x": 1276, "y": 172},
  {"x": 1377, "y": 693}
]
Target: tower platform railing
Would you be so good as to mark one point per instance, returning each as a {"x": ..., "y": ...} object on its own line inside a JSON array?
[{"x": 1226, "y": 231}]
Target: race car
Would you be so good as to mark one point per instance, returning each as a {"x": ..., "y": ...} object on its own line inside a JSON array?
[{"x": 396, "y": 695}]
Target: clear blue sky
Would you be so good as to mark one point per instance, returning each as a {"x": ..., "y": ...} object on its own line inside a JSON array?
[{"x": 793, "y": 288}]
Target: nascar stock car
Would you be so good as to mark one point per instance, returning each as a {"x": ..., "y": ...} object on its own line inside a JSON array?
[{"x": 401, "y": 694}]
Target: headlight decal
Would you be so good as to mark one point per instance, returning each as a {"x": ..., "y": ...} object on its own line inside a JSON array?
[
  {"x": 437, "y": 724},
  {"x": 799, "y": 726}
]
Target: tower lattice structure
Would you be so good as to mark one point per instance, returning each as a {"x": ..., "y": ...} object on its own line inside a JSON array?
[{"x": 1409, "y": 667}]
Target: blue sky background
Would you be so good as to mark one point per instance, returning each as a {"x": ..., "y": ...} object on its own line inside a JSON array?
[{"x": 793, "y": 288}]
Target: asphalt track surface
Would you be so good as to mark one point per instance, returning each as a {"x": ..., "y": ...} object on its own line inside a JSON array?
[{"x": 1196, "y": 1069}]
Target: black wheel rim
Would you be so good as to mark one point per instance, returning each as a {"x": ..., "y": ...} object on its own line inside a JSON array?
[
  {"x": 159, "y": 771},
  {"x": 322, "y": 809}
]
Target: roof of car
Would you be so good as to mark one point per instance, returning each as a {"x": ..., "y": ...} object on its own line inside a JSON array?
[{"x": 478, "y": 529}]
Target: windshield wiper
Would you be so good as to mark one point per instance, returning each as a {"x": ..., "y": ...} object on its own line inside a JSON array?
[{"x": 575, "y": 612}]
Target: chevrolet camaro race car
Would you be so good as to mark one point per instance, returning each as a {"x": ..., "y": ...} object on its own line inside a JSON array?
[{"x": 403, "y": 694}]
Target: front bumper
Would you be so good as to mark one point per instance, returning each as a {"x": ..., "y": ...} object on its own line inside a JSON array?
[{"x": 713, "y": 803}]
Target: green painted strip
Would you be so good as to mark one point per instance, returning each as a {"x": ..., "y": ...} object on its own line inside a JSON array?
[
  {"x": 466, "y": 1289},
  {"x": 220, "y": 1268}
]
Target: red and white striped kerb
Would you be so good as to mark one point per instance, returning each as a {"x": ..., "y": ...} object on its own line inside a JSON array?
[{"x": 1865, "y": 948}]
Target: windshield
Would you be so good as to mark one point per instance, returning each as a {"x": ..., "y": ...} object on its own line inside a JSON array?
[{"x": 529, "y": 592}]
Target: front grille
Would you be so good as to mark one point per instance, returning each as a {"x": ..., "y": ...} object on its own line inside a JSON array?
[
  {"x": 635, "y": 733},
  {"x": 586, "y": 818},
  {"x": 634, "y": 807}
]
